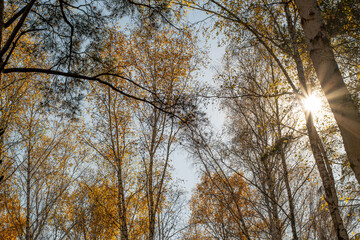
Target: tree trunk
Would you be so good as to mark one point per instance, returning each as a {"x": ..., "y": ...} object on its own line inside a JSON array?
[
  {"x": 287, "y": 183},
  {"x": 322, "y": 162},
  {"x": 275, "y": 222},
  {"x": 152, "y": 210},
  {"x": 116, "y": 142},
  {"x": 327, "y": 179},
  {"x": 28, "y": 193},
  {"x": 150, "y": 178},
  {"x": 122, "y": 204},
  {"x": 2, "y": 128},
  {"x": 344, "y": 108},
  {"x": 2, "y": 6},
  {"x": 284, "y": 165}
]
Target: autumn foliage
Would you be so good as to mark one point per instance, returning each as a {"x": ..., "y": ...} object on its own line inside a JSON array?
[{"x": 98, "y": 99}]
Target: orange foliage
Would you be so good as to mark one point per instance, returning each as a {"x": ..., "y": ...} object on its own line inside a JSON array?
[
  {"x": 217, "y": 206},
  {"x": 10, "y": 225}
]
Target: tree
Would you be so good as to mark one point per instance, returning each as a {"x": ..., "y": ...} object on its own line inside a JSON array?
[
  {"x": 69, "y": 32},
  {"x": 214, "y": 208},
  {"x": 163, "y": 61},
  {"x": 44, "y": 162},
  {"x": 170, "y": 221},
  {"x": 260, "y": 139},
  {"x": 134, "y": 141},
  {"x": 113, "y": 139},
  {"x": 344, "y": 108},
  {"x": 9, "y": 228},
  {"x": 236, "y": 18}
]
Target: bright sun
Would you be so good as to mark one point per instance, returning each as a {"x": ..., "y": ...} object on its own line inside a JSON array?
[{"x": 312, "y": 103}]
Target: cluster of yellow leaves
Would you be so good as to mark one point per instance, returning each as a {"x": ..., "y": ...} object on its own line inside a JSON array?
[
  {"x": 216, "y": 203},
  {"x": 10, "y": 226}
]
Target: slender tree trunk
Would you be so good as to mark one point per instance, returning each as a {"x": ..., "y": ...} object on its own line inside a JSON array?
[
  {"x": 28, "y": 193},
  {"x": 152, "y": 213},
  {"x": 2, "y": 7},
  {"x": 286, "y": 179},
  {"x": 273, "y": 216},
  {"x": 122, "y": 204},
  {"x": 327, "y": 179},
  {"x": 289, "y": 194},
  {"x": 150, "y": 176},
  {"x": 275, "y": 227},
  {"x": 118, "y": 158},
  {"x": 2, "y": 128},
  {"x": 284, "y": 167},
  {"x": 317, "y": 148},
  {"x": 344, "y": 108}
]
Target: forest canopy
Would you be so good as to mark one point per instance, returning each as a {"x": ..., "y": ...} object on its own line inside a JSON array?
[{"x": 99, "y": 97}]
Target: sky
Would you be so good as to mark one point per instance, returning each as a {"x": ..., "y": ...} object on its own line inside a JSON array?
[{"x": 184, "y": 168}]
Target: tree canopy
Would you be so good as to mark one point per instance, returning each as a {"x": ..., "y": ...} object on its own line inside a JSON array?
[{"x": 99, "y": 97}]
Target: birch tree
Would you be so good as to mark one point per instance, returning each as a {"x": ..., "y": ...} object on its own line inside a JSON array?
[{"x": 342, "y": 105}]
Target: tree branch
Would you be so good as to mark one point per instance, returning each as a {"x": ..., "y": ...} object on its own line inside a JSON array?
[
  {"x": 17, "y": 28},
  {"x": 13, "y": 18},
  {"x": 89, "y": 78}
]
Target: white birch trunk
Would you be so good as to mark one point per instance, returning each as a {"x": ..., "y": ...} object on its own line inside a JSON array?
[{"x": 342, "y": 105}]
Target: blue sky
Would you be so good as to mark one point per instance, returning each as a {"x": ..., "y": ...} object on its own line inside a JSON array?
[{"x": 184, "y": 168}]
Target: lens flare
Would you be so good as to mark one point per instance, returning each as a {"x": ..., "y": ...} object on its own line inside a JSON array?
[{"x": 312, "y": 103}]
